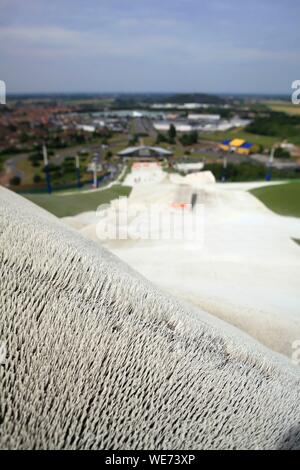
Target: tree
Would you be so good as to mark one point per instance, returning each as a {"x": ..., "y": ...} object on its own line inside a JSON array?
[
  {"x": 134, "y": 140},
  {"x": 80, "y": 139},
  {"x": 194, "y": 137},
  {"x": 281, "y": 153},
  {"x": 37, "y": 178},
  {"x": 35, "y": 158},
  {"x": 172, "y": 133},
  {"x": 189, "y": 139},
  {"x": 261, "y": 148},
  {"x": 160, "y": 138},
  {"x": 15, "y": 180}
]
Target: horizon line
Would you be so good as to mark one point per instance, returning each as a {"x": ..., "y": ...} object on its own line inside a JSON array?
[{"x": 116, "y": 92}]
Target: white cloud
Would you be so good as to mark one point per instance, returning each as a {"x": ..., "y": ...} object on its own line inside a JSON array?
[
  {"x": 55, "y": 41},
  {"x": 120, "y": 51},
  {"x": 36, "y": 42}
]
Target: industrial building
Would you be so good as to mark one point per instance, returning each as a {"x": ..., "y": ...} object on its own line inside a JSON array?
[
  {"x": 200, "y": 122},
  {"x": 204, "y": 117}
]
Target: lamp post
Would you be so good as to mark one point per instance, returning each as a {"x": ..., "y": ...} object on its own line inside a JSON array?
[
  {"x": 47, "y": 172},
  {"x": 271, "y": 161},
  {"x": 77, "y": 165},
  {"x": 224, "y": 169},
  {"x": 95, "y": 183}
]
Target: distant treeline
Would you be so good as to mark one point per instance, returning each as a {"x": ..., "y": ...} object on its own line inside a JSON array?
[
  {"x": 248, "y": 172},
  {"x": 118, "y": 100},
  {"x": 280, "y": 125},
  {"x": 136, "y": 100}
]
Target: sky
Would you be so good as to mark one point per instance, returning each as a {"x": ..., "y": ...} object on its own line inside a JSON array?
[{"x": 213, "y": 46}]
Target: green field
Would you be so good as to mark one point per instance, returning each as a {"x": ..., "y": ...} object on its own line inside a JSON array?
[
  {"x": 283, "y": 107},
  {"x": 75, "y": 203},
  {"x": 282, "y": 198}
]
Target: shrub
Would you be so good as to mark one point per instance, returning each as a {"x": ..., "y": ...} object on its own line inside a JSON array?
[
  {"x": 189, "y": 139},
  {"x": 15, "y": 180},
  {"x": 37, "y": 179},
  {"x": 281, "y": 153}
]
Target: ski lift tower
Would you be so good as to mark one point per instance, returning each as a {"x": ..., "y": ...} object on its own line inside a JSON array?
[
  {"x": 95, "y": 168},
  {"x": 77, "y": 165},
  {"x": 224, "y": 169},
  {"x": 47, "y": 172},
  {"x": 271, "y": 161}
]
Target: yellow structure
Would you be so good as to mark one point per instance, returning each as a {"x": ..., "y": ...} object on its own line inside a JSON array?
[
  {"x": 238, "y": 146},
  {"x": 237, "y": 142}
]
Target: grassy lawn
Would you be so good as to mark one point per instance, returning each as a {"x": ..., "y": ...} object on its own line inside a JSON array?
[
  {"x": 29, "y": 171},
  {"x": 67, "y": 205},
  {"x": 283, "y": 107},
  {"x": 283, "y": 198},
  {"x": 205, "y": 156}
]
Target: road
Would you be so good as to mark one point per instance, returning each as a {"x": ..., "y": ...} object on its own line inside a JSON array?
[
  {"x": 278, "y": 163},
  {"x": 144, "y": 125}
]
